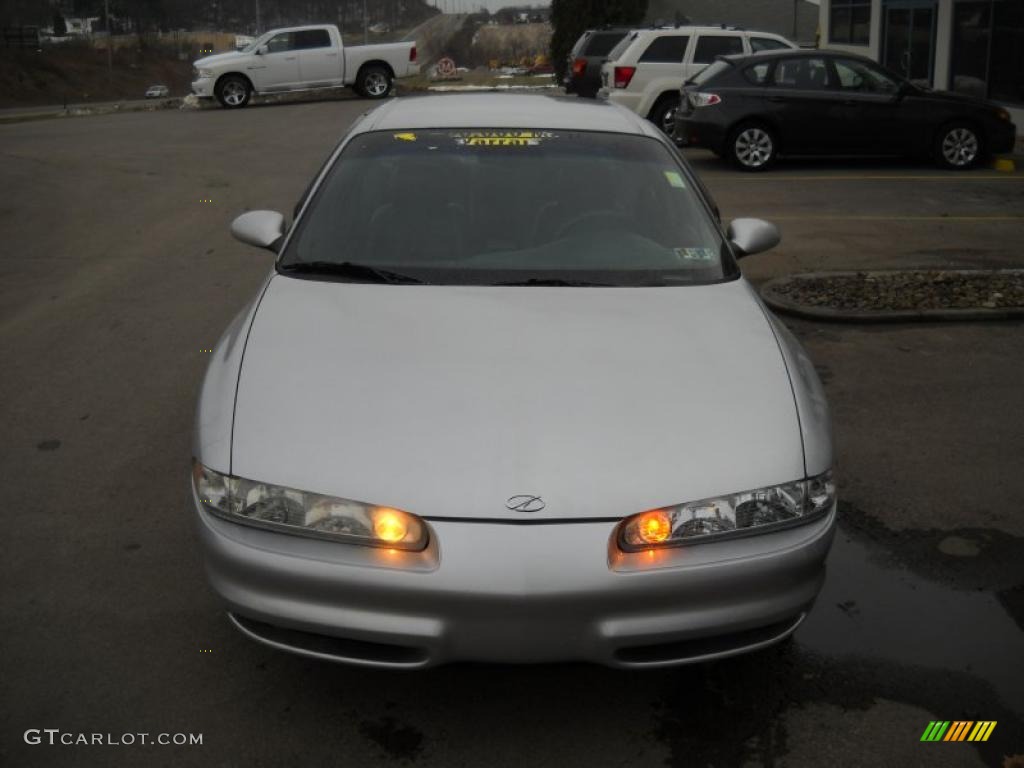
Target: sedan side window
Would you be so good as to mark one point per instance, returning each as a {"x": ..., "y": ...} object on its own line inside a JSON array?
[
  {"x": 803, "y": 74},
  {"x": 857, "y": 76},
  {"x": 758, "y": 73},
  {"x": 283, "y": 42},
  {"x": 710, "y": 46}
]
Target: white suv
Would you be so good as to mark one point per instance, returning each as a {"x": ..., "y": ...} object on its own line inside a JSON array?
[{"x": 647, "y": 68}]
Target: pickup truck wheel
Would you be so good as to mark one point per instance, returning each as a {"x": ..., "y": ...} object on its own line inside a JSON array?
[
  {"x": 233, "y": 91},
  {"x": 374, "y": 82}
]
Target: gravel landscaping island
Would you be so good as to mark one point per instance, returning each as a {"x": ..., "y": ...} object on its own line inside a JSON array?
[{"x": 900, "y": 294}]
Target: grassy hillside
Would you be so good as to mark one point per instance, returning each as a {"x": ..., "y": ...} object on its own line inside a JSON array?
[{"x": 78, "y": 73}]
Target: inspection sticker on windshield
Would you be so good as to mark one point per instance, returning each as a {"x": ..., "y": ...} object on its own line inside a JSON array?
[
  {"x": 695, "y": 254},
  {"x": 502, "y": 138},
  {"x": 675, "y": 179},
  {"x": 405, "y": 136}
]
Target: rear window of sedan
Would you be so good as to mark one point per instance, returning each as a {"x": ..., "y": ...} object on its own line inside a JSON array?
[
  {"x": 501, "y": 205},
  {"x": 710, "y": 71}
]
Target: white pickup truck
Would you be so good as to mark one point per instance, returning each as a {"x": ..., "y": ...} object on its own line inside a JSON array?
[{"x": 302, "y": 59}]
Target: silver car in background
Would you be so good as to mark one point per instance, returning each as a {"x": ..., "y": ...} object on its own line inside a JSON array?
[{"x": 505, "y": 396}]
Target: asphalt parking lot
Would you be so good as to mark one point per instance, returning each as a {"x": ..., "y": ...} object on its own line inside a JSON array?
[{"x": 118, "y": 270}]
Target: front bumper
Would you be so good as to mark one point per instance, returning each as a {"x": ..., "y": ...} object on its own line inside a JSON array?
[
  {"x": 1002, "y": 138},
  {"x": 515, "y": 593},
  {"x": 203, "y": 87}
]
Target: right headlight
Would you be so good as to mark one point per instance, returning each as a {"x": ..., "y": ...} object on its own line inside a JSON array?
[
  {"x": 755, "y": 511},
  {"x": 288, "y": 510},
  {"x": 202, "y": 72}
]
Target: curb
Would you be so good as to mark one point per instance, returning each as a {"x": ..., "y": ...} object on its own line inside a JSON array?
[
  {"x": 777, "y": 301},
  {"x": 84, "y": 110}
]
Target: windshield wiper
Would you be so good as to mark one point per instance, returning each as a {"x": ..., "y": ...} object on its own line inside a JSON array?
[
  {"x": 554, "y": 281},
  {"x": 361, "y": 272}
]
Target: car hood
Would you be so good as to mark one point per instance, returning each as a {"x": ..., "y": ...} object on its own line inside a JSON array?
[
  {"x": 448, "y": 400},
  {"x": 219, "y": 58},
  {"x": 955, "y": 98}
]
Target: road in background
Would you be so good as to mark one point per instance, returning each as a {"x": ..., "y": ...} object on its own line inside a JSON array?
[{"x": 116, "y": 274}]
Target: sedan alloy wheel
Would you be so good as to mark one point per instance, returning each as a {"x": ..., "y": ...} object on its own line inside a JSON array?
[
  {"x": 960, "y": 147},
  {"x": 753, "y": 148}
]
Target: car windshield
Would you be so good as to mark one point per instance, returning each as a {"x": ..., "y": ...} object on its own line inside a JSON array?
[
  {"x": 257, "y": 42},
  {"x": 508, "y": 206}
]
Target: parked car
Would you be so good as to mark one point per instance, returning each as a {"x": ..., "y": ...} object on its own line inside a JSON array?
[
  {"x": 157, "y": 91},
  {"x": 302, "y": 59},
  {"x": 646, "y": 69},
  {"x": 583, "y": 69},
  {"x": 752, "y": 109},
  {"x": 512, "y": 419}
]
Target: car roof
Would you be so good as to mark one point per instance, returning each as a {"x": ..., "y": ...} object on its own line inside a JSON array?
[
  {"x": 790, "y": 53},
  {"x": 689, "y": 28},
  {"x": 504, "y": 110}
]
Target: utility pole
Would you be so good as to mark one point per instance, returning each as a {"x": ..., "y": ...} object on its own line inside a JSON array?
[
  {"x": 366, "y": 38},
  {"x": 796, "y": 5},
  {"x": 110, "y": 44},
  {"x": 259, "y": 25}
]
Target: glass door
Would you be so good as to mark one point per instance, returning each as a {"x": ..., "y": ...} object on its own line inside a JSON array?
[{"x": 908, "y": 43}]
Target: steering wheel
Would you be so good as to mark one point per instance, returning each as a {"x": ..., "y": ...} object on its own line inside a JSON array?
[{"x": 598, "y": 217}]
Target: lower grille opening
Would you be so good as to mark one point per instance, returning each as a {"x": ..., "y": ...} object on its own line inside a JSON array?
[
  {"x": 328, "y": 645},
  {"x": 680, "y": 650}
]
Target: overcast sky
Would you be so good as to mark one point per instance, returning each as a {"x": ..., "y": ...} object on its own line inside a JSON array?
[{"x": 452, "y": 6}]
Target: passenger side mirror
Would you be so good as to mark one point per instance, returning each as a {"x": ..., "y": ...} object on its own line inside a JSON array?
[
  {"x": 750, "y": 236},
  {"x": 264, "y": 229}
]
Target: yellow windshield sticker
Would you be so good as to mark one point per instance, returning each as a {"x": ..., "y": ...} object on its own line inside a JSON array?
[
  {"x": 675, "y": 179},
  {"x": 405, "y": 136},
  {"x": 502, "y": 138},
  {"x": 696, "y": 254}
]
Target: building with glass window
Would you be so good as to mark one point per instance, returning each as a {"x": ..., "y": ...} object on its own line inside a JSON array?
[{"x": 971, "y": 46}]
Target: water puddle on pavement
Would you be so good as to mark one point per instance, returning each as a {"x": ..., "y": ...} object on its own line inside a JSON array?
[{"x": 886, "y": 613}]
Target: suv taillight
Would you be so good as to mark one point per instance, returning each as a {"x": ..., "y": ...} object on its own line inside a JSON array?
[
  {"x": 579, "y": 66},
  {"x": 705, "y": 99},
  {"x": 623, "y": 76},
  {"x": 412, "y": 53}
]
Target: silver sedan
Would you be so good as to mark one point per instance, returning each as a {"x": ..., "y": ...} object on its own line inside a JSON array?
[{"x": 505, "y": 396}]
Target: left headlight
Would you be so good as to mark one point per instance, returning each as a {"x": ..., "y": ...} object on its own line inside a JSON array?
[
  {"x": 307, "y": 514},
  {"x": 202, "y": 72},
  {"x": 733, "y": 514}
]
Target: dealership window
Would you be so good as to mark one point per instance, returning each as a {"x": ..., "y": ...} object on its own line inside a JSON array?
[
  {"x": 849, "y": 22},
  {"x": 988, "y": 49}
]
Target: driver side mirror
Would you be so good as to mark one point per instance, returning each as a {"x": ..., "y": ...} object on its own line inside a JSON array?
[
  {"x": 261, "y": 50},
  {"x": 263, "y": 229},
  {"x": 750, "y": 236}
]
